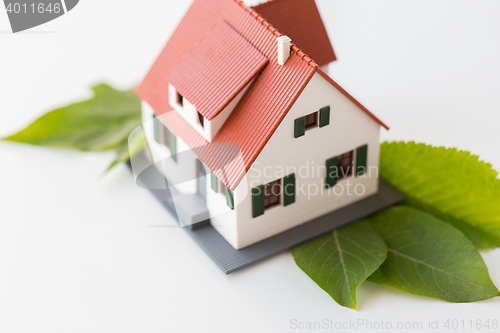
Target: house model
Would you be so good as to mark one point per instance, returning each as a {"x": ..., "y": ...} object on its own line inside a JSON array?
[{"x": 245, "y": 111}]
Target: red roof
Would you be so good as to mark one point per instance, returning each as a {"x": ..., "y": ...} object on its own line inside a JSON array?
[
  {"x": 222, "y": 59},
  {"x": 301, "y": 21},
  {"x": 260, "y": 112},
  {"x": 264, "y": 105}
]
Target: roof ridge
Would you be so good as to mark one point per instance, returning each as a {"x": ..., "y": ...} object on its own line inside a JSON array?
[{"x": 276, "y": 33}]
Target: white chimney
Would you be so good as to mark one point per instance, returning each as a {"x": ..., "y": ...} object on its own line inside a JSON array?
[{"x": 283, "y": 49}]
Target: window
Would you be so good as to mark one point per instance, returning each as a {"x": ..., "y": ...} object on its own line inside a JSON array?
[
  {"x": 345, "y": 165},
  {"x": 179, "y": 99},
  {"x": 319, "y": 118},
  {"x": 201, "y": 119},
  {"x": 311, "y": 120},
  {"x": 269, "y": 195},
  {"x": 164, "y": 136},
  {"x": 339, "y": 167},
  {"x": 217, "y": 186},
  {"x": 175, "y": 99},
  {"x": 272, "y": 194}
]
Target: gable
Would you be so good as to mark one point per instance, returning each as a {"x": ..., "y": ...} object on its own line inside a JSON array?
[{"x": 348, "y": 128}]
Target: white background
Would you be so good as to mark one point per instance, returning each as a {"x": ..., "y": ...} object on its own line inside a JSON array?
[{"x": 80, "y": 252}]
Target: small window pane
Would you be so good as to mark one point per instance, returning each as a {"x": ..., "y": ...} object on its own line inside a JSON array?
[
  {"x": 272, "y": 194},
  {"x": 179, "y": 99},
  {"x": 312, "y": 120},
  {"x": 345, "y": 166},
  {"x": 201, "y": 119}
]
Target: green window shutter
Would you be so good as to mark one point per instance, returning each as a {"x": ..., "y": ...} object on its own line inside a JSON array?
[
  {"x": 229, "y": 198},
  {"x": 324, "y": 116},
  {"x": 215, "y": 183},
  {"x": 332, "y": 166},
  {"x": 300, "y": 127},
  {"x": 156, "y": 124},
  {"x": 289, "y": 190},
  {"x": 172, "y": 141},
  {"x": 258, "y": 201},
  {"x": 361, "y": 160}
]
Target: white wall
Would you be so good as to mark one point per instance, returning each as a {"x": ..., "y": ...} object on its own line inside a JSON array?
[
  {"x": 187, "y": 110},
  {"x": 186, "y": 159},
  {"x": 349, "y": 128},
  {"x": 222, "y": 218}
]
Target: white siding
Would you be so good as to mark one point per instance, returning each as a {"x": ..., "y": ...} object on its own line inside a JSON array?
[
  {"x": 222, "y": 218},
  {"x": 349, "y": 128},
  {"x": 186, "y": 162}
]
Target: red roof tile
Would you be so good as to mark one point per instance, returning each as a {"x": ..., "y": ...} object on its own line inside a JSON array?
[
  {"x": 222, "y": 59},
  {"x": 301, "y": 21},
  {"x": 262, "y": 108},
  {"x": 253, "y": 122}
]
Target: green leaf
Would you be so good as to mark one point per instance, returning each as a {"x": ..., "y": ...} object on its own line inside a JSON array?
[
  {"x": 98, "y": 124},
  {"x": 450, "y": 184},
  {"x": 136, "y": 144},
  {"x": 427, "y": 256},
  {"x": 341, "y": 260}
]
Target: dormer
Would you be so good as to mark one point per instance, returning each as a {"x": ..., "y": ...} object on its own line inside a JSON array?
[
  {"x": 208, "y": 84},
  {"x": 187, "y": 110}
]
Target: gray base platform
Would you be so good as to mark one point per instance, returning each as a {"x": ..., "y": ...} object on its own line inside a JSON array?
[{"x": 230, "y": 260}]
